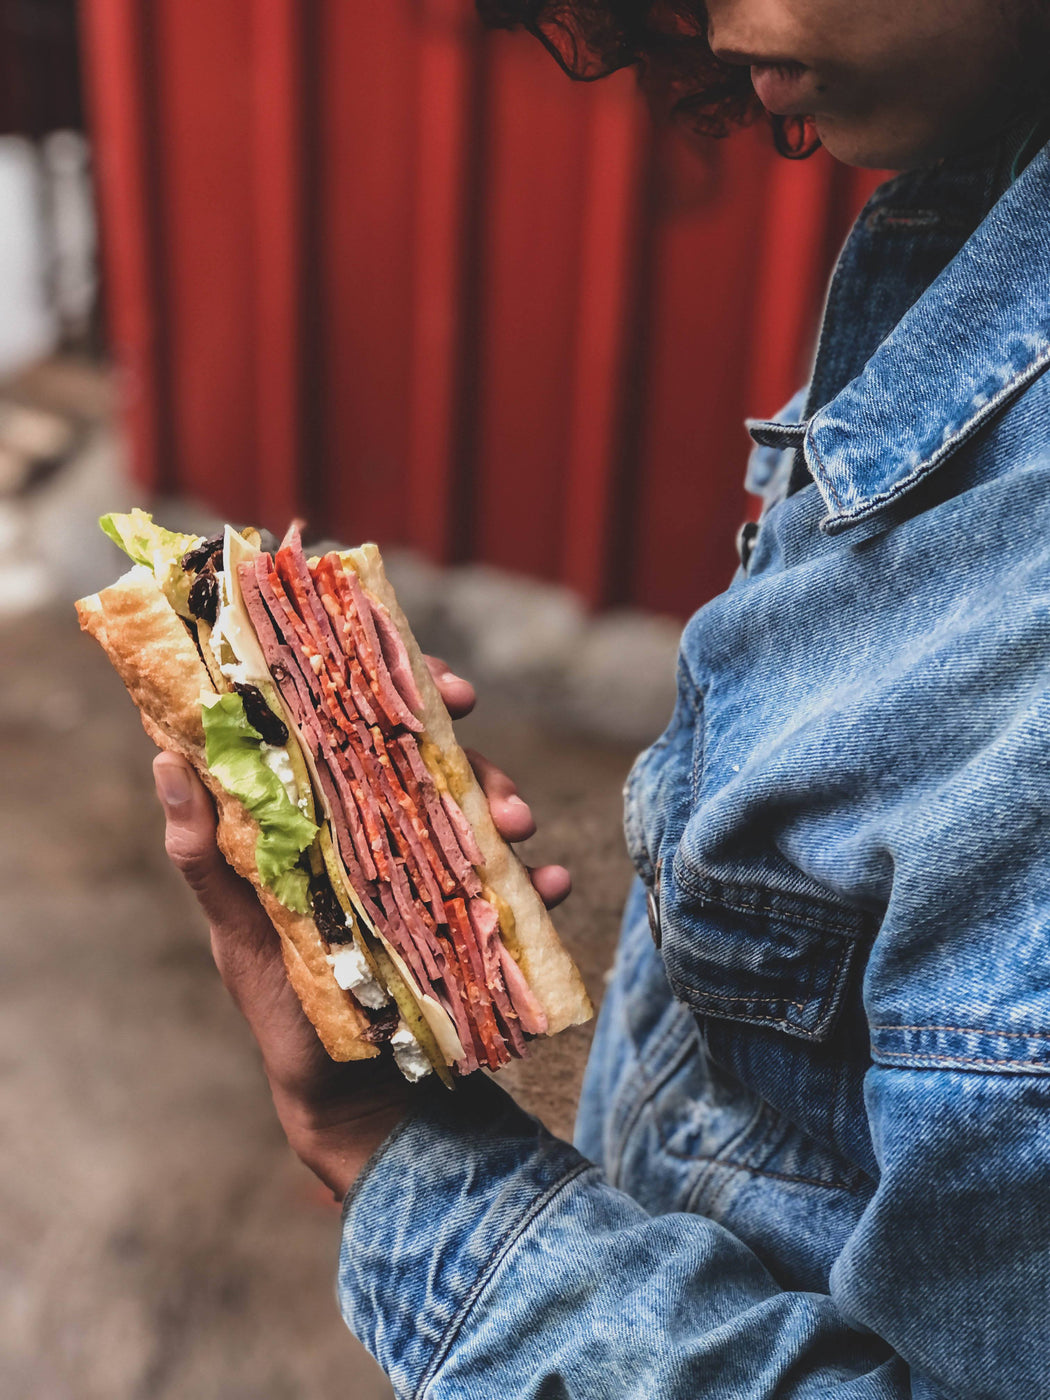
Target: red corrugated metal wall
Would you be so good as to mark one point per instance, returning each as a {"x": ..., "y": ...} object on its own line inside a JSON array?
[{"x": 368, "y": 263}]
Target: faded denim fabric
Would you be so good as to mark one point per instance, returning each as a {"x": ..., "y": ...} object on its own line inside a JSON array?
[{"x": 813, "y": 1150}]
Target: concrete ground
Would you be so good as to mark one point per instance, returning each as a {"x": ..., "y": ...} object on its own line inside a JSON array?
[{"x": 161, "y": 1242}]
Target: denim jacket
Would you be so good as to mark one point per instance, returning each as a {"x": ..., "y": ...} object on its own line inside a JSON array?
[{"x": 813, "y": 1150}]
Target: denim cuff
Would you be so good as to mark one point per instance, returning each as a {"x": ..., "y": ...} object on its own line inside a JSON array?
[{"x": 431, "y": 1217}]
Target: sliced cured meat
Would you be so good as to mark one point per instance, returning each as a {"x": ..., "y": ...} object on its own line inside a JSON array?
[
  {"x": 405, "y": 753},
  {"x": 349, "y": 765},
  {"x": 335, "y": 593},
  {"x": 473, "y": 1052},
  {"x": 485, "y": 923},
  {"x": 343, "y": 672},
  {"x": 291, "y": 561},
  {"x": 474, "y": 980},
  {"x": 346, "y": 586},
  {"x": 395, "y": 654},
  {"x": 531, "y": 1014},
  {"x": 401, "y": 819},
  {"x": 403, "y": 789},
  {"x": 343, "y": 801},
  {"x": 312, "y": 650},
  {"x": 301, "y": 693},
  {"x": 464, "y": 835}
]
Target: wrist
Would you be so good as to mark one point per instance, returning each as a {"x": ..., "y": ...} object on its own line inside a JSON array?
[{"x": 337, "y": 1146}]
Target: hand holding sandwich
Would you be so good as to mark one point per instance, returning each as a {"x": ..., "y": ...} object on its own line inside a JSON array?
[{"x": 334, "y": 1114}]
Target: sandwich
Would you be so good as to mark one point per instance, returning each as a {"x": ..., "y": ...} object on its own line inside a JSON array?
[{"x": 296, "y": 689}]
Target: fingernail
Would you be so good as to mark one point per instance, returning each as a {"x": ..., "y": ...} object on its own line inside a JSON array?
[
  {"x": 516, "y": 802},
  {"x": 173, "y": 784},
  {"x": 450, "y": 678}
]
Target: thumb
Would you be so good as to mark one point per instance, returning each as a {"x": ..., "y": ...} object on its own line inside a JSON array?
[{"x": 189, "y": 840}]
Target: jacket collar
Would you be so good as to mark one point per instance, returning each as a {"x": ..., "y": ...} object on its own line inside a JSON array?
[{"x": 977, "y": 336}]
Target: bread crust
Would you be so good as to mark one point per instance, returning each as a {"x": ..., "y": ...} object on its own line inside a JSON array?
[
  {"x": 157, "y": 660},
  {"x": 533, "y": 941}
]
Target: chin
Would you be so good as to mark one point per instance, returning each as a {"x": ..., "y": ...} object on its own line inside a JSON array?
[{"x": 880, "y": 146}]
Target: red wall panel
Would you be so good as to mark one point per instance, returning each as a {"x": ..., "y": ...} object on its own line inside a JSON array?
[
  {"x": 208, "y": 274},
  {"x": 365, "y": 67},
  {"x": 530, "y": 270},
  {"x": 699, "y": 347},
  {"x": 367, "y": 262}
]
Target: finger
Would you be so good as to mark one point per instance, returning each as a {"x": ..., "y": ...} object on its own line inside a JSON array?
[
  {"x": 458, "y": 694},
  {"x": 553, "y": 883},
  {"x": 509, "y": 811},
  {"x": 189, "y": 839}
]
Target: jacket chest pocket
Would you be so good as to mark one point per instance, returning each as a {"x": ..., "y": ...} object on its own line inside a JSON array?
[
  {"x": 757, "y": 956},
  {"x": 745, "y": 938}
]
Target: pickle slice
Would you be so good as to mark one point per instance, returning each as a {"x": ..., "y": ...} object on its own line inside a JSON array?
[{"x": 379, "y": 962}]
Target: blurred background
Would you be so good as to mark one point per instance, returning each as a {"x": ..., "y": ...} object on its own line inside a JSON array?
[{"x": 366, "y": 263}]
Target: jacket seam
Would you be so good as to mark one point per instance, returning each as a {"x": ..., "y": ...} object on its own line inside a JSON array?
[
  {"x": 652, "y": 1083},
  {"x": 947, "y": 1061},
  {"x": 699, "y": 755},
  {"x": 750, "y": 1018},
  {"x": 489, "y": 1268},
  {"x": 970, "y": 1030},
  {"x": 871, "y": 504},
  {"x": 634, "y": 832},
  {"x": 742, "y": 1000},
  {"x": 699, "y": 885},
  {"x": 791, "y": 1177},
  {"x": 825, "y": 475},
  {"x": 711, "y": 1188}
]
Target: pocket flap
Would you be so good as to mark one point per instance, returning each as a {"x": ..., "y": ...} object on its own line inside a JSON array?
[{"x": 745, "y": 954}]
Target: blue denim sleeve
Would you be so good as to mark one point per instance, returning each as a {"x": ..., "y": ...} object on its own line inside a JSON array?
[{"x": 481, "y": 1257}]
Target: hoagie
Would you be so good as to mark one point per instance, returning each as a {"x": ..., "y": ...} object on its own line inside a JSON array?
[{"x": 297, "y": 690}]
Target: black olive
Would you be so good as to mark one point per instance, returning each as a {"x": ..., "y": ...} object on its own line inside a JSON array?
[
  {"x": 204, "y": 598},
  {"x": 328, "y": 915},
  {"x": 383, "y": 1024},
  {"x": 202, "y": 554},
  {"x": 259, "y": 715}
]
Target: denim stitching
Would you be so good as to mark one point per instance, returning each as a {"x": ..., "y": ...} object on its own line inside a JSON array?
[
  {"x": 633, "y": 827},
  {"x": 814, "y": 966},
  {"x": 948, "y": 1060},
  {"x": 871, "y": 504},
  {"x": 816, "y": 462},
  {"x": 652, "y": 1083},
  {"x": 699, "y": 746},
  {"x": 854, "y": 1189},
  {"x": 828, "y": 996},
  {"x": 971, "y": 1030},
  {"x": 737, "y": 1143},
  {"x": 742, "y": 999},
  {"x": 779, "y": 1127},
  {"x": 704, "y": 887},
  {"x": 841, "y": 973},
  {"x": 751, "y": 1018},
  {"x": 499, "y": 1253}
]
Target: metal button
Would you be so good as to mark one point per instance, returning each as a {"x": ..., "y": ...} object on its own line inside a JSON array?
[{"x": 652, "y": 907}]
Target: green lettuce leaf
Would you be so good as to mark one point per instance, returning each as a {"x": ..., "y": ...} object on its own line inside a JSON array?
[
  {"x": 159, "y": 549},
  {"x": 234, "y": 753}
]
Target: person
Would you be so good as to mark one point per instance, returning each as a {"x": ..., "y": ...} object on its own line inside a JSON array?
[{"x": 813, "y": 1147}]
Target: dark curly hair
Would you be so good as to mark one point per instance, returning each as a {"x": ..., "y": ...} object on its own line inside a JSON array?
[{"x": 666, "y": 40}]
